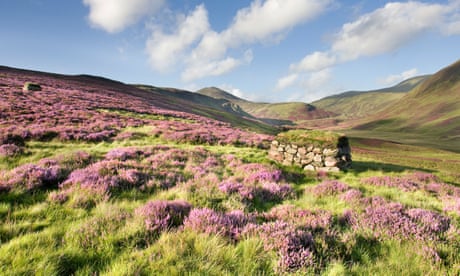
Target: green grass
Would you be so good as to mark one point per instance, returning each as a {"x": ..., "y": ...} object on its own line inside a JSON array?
[
  {"x": 40, "y": 237},
  {"x": 309, "y": 137}
]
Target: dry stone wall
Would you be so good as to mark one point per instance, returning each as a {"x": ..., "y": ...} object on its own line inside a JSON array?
[{"x": 313, "y": 157}]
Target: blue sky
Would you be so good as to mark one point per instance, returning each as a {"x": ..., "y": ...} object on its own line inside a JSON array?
[{"x": 264, "y": 50}]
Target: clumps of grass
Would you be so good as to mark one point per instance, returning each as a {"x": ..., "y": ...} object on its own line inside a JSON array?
[{"x": 310, "y": 137}]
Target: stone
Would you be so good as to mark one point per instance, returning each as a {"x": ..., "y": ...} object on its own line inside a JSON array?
[
  {"x": 330, "y": 152},
  {"x": 316, "y": 150},
  {"x": 310, "y": 148},
  {"x": 288, "y": 156},
  {"x": 302, "y": 150},
  {"x": 287, "y": 162},
  {"x": 291, "y": 150},
  {"x": 275, "y": 143},
  {"x": 281, "y": 149},
  {"x": 310, "y": 155},
  {"x": 29, "y": 86},
  {"x": 318, "y": 158},
  {"x": 309, "y": 168},
  {"x": 330, "y": 161},
  {"x": 306, "y": 161}
]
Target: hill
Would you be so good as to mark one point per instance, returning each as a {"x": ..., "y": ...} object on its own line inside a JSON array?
[
  {"x": 359, "y": 104},
  {"x": 288, "y": 113},
  {"x": 146, "y": 100},
  {"x": 102, "y": 178},
  {"x": 431, "y": 109}
]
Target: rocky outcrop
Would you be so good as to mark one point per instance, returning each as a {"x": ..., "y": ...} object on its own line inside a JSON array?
[
  {"x": 313, "y": 157},
  {"x": 29, "y": 86}
]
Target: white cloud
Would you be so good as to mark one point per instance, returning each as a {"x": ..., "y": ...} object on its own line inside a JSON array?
[
  {"x": 206, "y": 68},
  {"x": 386, "y": 29},
  {"x": 266, "y": 19},
  {"x": 314, "y": 62},
  {"x": 286, "y": 81},
  {"x": 115, "y": 15},
  {"x": 395, "y": 79},
  {"x": 260, "y": 22},
  {"x": 165, "y": 50},
  {"x": 316, "y": 80},
  {"x": 381, "y": 31}
]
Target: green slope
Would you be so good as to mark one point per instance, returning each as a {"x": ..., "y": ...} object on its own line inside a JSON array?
[
  {"x": 287, "y": 113},
  {"x": 359, "y": 104},
  {"x": 431, "y": 110}
]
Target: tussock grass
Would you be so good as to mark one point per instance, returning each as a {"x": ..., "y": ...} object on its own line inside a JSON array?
[{"x": 87, "y": 234}]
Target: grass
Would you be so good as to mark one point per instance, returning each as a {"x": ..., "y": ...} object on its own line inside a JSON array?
[
  {"x": 309, "y": 137},
  {"x": 38, "y": 236}
]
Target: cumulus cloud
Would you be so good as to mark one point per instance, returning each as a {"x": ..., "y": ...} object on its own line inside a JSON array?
[
  {"x": 205, "y": 52},
  {"x": 381, "y": 31},
  {"x": 286, "y": 81},
  {"x": 314, "y": 62},
  {"x": 264, "y": 20},
  {"x": 214, "y": 67},
  {"x": 115, "y": 15},
  {"x": 165, "y": 50},
  {"x": 315, "y": 81},
  {"x": 386, "y": 29},
  {"x": 395, "y": 79}
]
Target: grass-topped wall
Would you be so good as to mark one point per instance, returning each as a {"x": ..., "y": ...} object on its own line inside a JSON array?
[{"x": 312, "y": 150}]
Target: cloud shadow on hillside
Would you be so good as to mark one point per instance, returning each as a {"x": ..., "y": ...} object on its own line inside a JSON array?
[{"x": 363, "y": 166}]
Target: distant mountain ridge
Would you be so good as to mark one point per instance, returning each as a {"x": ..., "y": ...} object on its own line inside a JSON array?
[
  {"x": 359, "y": 104},
  {"x": 431, "y": 108},
  {"x": 287, "y": 113}
]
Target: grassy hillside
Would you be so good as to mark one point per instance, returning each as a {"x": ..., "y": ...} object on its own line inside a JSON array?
[
  {"x": 431, "y": 109},
  {"x": 359, "y": 104},
  {"x": 100, "y": 178},
  {"x": 288, "y": 113}
]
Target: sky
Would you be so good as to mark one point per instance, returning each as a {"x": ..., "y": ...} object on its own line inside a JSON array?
[{"x": 261, "y": 50}]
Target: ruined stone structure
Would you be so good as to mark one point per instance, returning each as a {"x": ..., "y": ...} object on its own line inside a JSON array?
[{"x": 313, "y": 157}]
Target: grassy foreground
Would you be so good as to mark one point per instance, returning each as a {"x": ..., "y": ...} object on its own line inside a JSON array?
[{"x": 163, "y": 207}]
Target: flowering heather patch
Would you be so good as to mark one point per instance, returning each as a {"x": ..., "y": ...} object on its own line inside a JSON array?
[
  {"x": 124, "y": 154},
  {"x": 30, "y": 176},
  {"x": 442, "y": 189},
  {"x": 294, "y": 246},
  {"x": 253, "y": 173},
  {"x": 328, "y": 188},
  {"x": 10, "y": 150},
  {"x": 72, "y": 109},
  {"x": 403, "y": 183},
  {"x": 422, "y": 177},
  {"x": 265, "y": 192},
  {"x": 411, "y": 182},
  {"x": 451, "y": 204},
  {"x": 104, "y": 176},
  {"x": 351, "y": 196},
  {"x": 247, "y": 193},
  {"x": 211, "y": 222},
  {"x": 393, "y": 220},
  {"x": 162, "y": 215},
  {"x": 209, "y": 132},
  {"x": 271, "y": 191},
  {"x": 305, "y": 219}
]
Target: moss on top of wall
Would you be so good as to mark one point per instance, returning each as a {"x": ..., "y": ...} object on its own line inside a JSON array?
[{"x": 310, "y": 137}]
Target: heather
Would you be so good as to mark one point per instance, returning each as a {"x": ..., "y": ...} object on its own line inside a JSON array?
[{"x": 93, "y": 183}]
